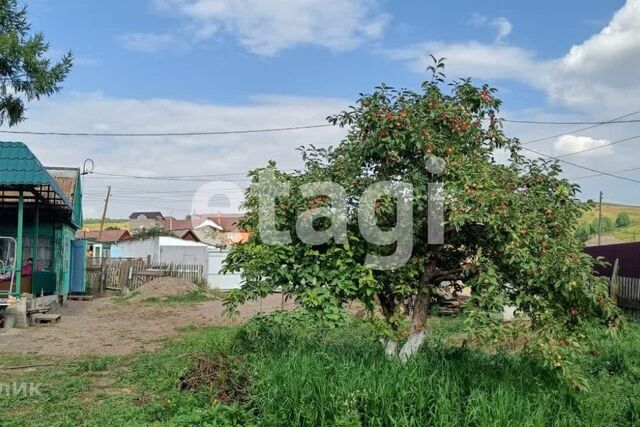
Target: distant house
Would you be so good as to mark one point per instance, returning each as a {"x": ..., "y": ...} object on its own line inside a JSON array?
[
  {"x": 190, "y": 223},
  {"x": 110, "y": 236},
  {"x": 186, "y": 234},
  {"x": 220, "y": 230},
  {"x": 105, "y": 246},
  {"x": 231, "y": 231},
  {"x": 145, "y": 220}
]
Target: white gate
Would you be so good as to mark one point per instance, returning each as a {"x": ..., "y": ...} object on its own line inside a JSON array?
[{"x": 214, "y": 278}]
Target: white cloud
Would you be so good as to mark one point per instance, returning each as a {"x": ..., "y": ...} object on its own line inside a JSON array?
[
  {"x": 567, "y": 144},
  {"x": 501, "y": 25},
  {"x": 180, "y": 155},
  {"x": 475, "y": 59},
  {"x": 265, "y": 27},
  {"x": 148, "y": 42},
  {"x": 603, "y": 69},
  {"x": 597, "y": 75}
]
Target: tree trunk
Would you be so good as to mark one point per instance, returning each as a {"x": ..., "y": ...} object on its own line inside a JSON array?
[{"x": 418, "y": 334}]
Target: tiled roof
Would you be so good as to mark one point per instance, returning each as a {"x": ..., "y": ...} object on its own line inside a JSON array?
[
  {"x": 110, "y": 236},
  {"x": 149, "y": 215}
]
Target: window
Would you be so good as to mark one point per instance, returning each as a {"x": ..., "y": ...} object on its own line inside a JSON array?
[
  {"x": 7, "y": 253},
  {"x": 45, "y": 251}
]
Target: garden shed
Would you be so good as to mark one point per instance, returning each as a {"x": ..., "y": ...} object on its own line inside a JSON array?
[
  {"x": 40, "y": 211},
  {"x": 166, "y": 250}
]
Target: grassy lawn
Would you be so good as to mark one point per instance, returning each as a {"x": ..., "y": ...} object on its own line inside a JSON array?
[{"x": 281, "y": 377}]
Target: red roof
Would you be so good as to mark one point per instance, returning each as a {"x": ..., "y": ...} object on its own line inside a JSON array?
[
  {"x": 228, "y": 222},
  {"x": 171, "y": 223},
  {"x": 109, "y": 236}
]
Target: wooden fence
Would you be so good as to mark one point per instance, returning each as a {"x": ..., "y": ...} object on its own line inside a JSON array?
[
  {"x": 127, "y": 274},
  {"x": 190, "y": 272},
  {"x": 627, "y": 295}
]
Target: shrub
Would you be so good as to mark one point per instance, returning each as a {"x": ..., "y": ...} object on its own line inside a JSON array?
[{"x": 623, "y": 220}]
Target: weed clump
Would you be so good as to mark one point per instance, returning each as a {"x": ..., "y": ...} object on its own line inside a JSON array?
[{"x": 221, "y": 374}]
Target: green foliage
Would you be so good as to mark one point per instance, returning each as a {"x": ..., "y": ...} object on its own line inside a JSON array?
[
  {"x": 623, "y": 220},
  {"x": 332, "y": 378},
  {"x": 281, "y": 328},
  {"x": 510, "y": 228},
  {"x": 583, "y": 233},
  {"x": 25, "y": 72},
  {"x": 605, "y": 225}
]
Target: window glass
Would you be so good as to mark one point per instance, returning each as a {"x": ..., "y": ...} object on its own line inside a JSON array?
[{"x": 45, "y": 251}]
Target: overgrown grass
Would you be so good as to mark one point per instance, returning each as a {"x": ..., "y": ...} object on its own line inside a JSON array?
[{"x": 319, "y": 377}]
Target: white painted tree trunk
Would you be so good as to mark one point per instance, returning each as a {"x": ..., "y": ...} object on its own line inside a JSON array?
[
  {"x": 412, "y": 346},
  {"x": 408, "y": 349}
]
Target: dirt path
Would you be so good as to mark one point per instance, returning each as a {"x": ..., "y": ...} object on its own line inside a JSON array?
[{"x": 110, "y": 327}]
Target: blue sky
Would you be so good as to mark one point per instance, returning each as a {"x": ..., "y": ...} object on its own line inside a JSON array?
[
  {"x": 219, "y": 70},
  {"x": 177, "y": 65}
]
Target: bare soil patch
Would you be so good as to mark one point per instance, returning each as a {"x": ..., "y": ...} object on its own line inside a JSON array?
[{"x": 109, "y": 326}]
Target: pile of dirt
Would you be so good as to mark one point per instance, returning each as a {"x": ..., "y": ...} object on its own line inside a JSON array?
[{"x": 165, "y": 287}]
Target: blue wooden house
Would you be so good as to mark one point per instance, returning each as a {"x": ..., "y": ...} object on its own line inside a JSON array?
[{"x": 40, "y": 212}]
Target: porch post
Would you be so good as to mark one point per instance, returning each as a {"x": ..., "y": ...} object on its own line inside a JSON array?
[
  {"x": 34, "y": 251},
  {"x": 19, "y": 242}
]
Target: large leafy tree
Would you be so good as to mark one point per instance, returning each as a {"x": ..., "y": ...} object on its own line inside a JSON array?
[
  {"x": 26, "y": 74},
  {"x": 509, "y": 224}
]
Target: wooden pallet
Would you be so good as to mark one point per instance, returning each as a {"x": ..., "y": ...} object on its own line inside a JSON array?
[
  {"x": 36, "y": 310},
  {"x": 45, "y": 318},
  {"x": 81, "y": 297}
]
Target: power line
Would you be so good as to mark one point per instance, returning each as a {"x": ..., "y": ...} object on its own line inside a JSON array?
[
  {"x": 598, "y": 174},
  {"x": 168, "y": 176},
  {"x": 617, "y": 120},
  {"x": 181, "y": 178},
  {"x": 543, "y": 122},
  {"x": 155, "y": 134},
  {"x": 599, "y": 146},
  {"x": 581, "y": 166},
  {"x": 614, "y": 120}
]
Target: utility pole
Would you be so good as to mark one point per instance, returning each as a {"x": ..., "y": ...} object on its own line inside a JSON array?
[
  {"x": 104, "y": 213},
  {"x": 600, "y": 219}
]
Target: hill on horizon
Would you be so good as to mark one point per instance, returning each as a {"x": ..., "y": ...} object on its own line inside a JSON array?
[{"x": 610, "y": 211}]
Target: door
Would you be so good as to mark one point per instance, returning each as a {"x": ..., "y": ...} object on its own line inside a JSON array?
[{"x": 78, "y": 266}]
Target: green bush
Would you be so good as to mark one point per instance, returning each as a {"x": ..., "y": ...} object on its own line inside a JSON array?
[
  {"x": 280, "y": 329},
  {"x": 623, "y": 220}
]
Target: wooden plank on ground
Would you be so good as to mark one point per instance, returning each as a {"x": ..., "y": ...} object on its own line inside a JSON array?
[
  {"x": 84, "y": 297},
  {"x": 46, "y": 318}
]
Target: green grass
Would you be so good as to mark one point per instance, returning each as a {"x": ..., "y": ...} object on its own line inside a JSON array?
[{"x": 339, "y": 377}]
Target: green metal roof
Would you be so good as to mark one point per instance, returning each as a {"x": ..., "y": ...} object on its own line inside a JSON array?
[{"x": 21, "y": 170}]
